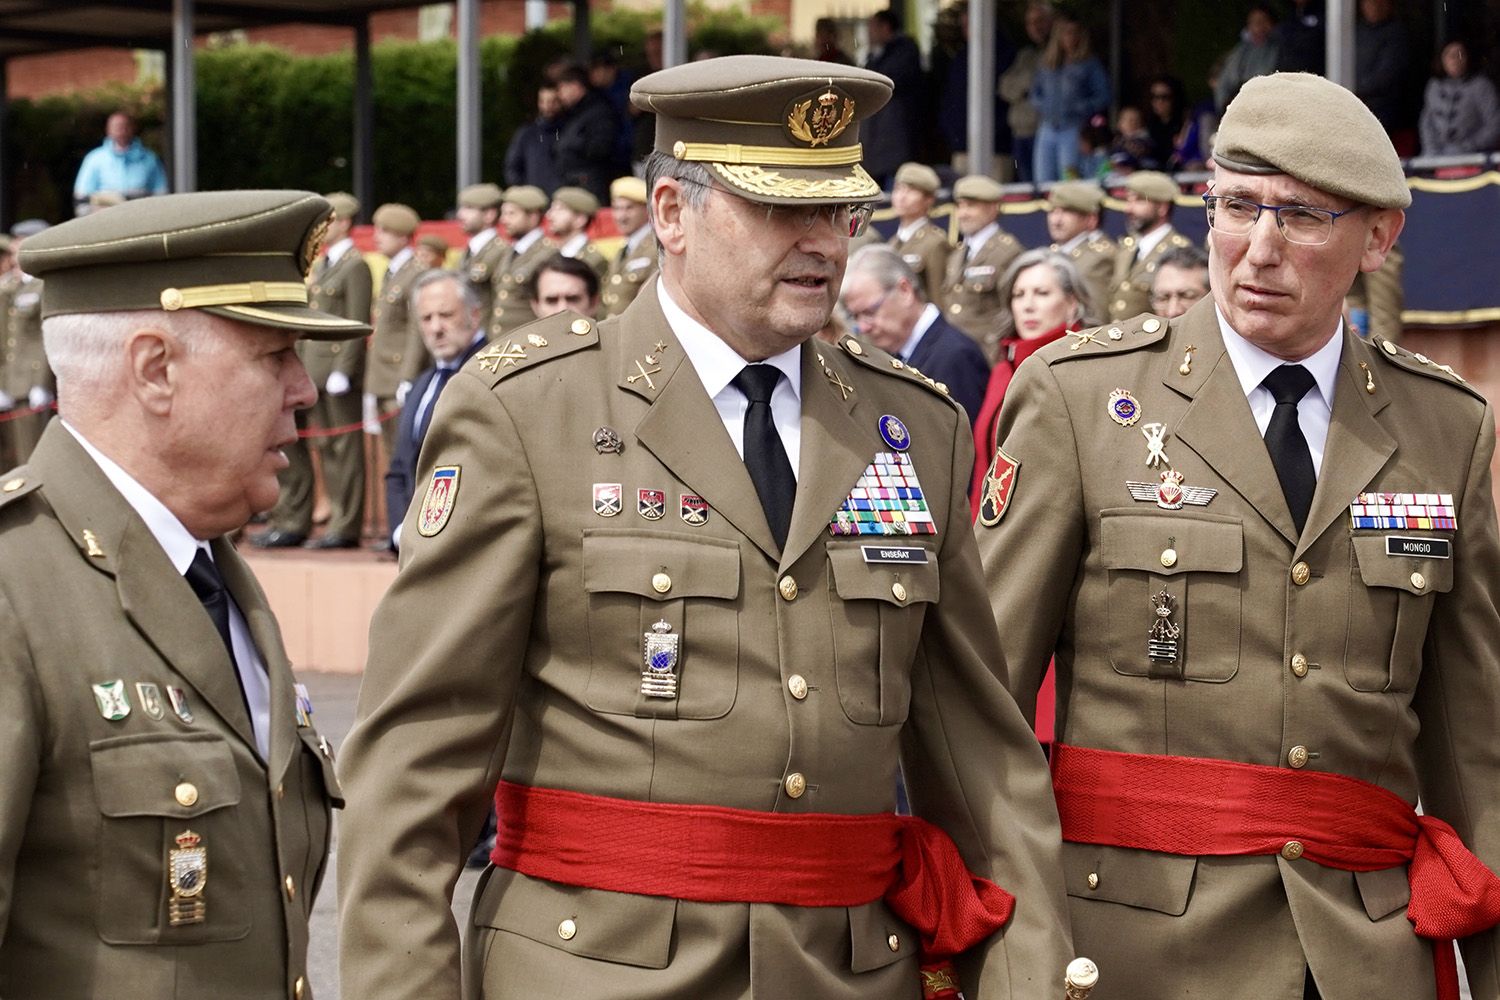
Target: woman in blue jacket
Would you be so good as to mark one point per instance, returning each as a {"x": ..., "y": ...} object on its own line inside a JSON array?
[{"x": 1069, "y": 88}]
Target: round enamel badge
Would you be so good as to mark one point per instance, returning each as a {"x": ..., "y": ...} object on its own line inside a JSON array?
[
  {"x": 1123, "y": 408},
  {"x": 893, "y": 432}
]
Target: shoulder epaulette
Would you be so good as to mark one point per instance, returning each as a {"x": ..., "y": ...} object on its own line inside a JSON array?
[
  {"x": 16, "y": 483},
  {"x": 1101, "y": 246},
  {"x": 533, "y": 344},
  {"x": 1115, "y": 338},
  {"x": 1421, "y": 364},
  {"x": 877, "y": 360},
  {"x": 1179, "y": 240}
]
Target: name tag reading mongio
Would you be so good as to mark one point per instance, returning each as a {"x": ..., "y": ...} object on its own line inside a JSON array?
[
  {"x": 894, "y": 554},
  {"x": 1425, "y": 548}
]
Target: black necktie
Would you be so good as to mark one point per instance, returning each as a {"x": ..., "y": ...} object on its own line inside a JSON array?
[
  {"x": 419, "y": 432},
  {"x": 203, "y": 576},
  {"x": 1284, "y": 440},
  {"x": 765, "y": 456}
]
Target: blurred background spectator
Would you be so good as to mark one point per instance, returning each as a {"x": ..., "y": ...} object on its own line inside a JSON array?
[
  {"x": 1460, "y": 113},
  {"x": 1303, "y": 38},
  {"x": 890, "y": 135},
  {"x": 826, "y": 42},
  {"x": 585, "y": 150},
  {"x": 1381, "y": 56},
  {"x": 530, "y": 157},
  {"x": 1014, "y": 88},
  {"x": 1255, "y": 54},
  {"x": 1166, "y": 120},
  {"x": 1070, "y": 88},
  {"x": 121, "y": 164}
]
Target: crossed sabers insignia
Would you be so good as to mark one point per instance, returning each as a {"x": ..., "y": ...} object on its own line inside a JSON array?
[
  {"x": 844, "y": 387},
  {"x": 1156, "y": 438},
  {"x": 492, "y": 357},
  {"x": 1084, "y": 337},
  {"x": 644, "y": 374}
]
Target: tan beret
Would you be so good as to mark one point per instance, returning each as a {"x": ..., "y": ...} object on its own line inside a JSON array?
[
  {"x": 918, "y": 175},
  {"x": 1313, "y": 130},
  {"x": 345, "y": 205},
  {"x": 1153, "y": 186},
  {"x": 242, "y": 255},
  {"x": 1076, "y": 196},
  {"x": 577, "y": 199},
  {"x": 397, "y": 218},
  {"x": 628, "y": 189},
  {"x": 527, "y": 197},
  {"x": 433, "y": 242},
  {"x": 480, "y": 196},
  {"x": 977, "y": 187},
  {"x": 774, "y": 130}
]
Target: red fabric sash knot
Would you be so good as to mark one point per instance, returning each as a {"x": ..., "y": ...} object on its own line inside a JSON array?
[
  {"x": 1194, "y": 806},
  {"x": 716, "y": 854}
]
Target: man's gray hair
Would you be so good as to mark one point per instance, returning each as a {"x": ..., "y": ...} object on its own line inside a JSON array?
[
  {"x": 84, "y": 349},
  {"x": 696, "y": 178},
  {"x": 465, "y": 290},
  {"x": 1068, "y": 279},
  {"x": 1188, "y": 258},
  {"x": 885, "y": 267}
]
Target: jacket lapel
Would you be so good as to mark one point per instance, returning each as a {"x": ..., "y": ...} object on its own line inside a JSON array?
[
  {"x": 833, "y": 454},
  {"x": 251, "y": 601}
]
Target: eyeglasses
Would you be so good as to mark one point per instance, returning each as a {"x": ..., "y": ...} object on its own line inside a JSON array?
[
  {"x": 865, "y": 316},
  {"x": 847, "y": 221},
  {"x": 1300, "y": 224},
  {"x": 1186, "y": 296}
]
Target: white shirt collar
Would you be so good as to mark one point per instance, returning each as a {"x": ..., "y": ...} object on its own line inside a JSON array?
[
  {"x": 919, "y": 330},
  {"x": 637, "y": 236},
  {"x": 906, "y": 232},
  {"x": 976, "y": 242},
  {"x": 480, "y": 240},
  {"x": 574, "y": 245},
  {"x": 1145, "y": 244},
  {"x": 174, "y": 538},
  {"x": 402, "y": 256},
  {"x": 1078, "y": 241},
  {"x": 714, "y": 360},
  {"x": 1252, "y": 365},
  {"x": 337, "y": 251},
  {"x": 527, "y": 242}
]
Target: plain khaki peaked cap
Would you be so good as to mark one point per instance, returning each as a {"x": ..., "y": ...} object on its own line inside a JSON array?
[
  {"x": 773, "y": 130},
  {"x": 1315, "y": 131},
  {"x": 242, "y": 255}
]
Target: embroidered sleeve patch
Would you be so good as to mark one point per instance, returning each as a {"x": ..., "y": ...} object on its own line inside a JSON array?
[
  {"x": 999, "y": 487},
  {"x": 437, "y": 505}
]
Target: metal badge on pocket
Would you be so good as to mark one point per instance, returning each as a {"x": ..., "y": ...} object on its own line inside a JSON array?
[
  {"x": 659, "y": 675},
  {"x": 187, "y": 874}
]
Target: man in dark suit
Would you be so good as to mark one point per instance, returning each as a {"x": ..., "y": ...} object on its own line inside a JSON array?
[
  {"x": 892, "y": 132},
  {"x": 449, "y": 315},
  {"x": 884, "y": 295}
]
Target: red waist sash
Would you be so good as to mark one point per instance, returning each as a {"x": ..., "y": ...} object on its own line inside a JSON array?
[
  {"x": 715, "y": 854},
  {"x": 1193, "y": 806}
]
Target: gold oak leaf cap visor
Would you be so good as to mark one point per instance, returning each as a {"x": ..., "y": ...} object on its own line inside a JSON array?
[
  {"x": 243, "y": 255},
  {"x": 773, "y": 130},
  {"x": 1311, "y": 129}
]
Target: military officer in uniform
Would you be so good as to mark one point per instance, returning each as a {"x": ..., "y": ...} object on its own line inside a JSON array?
[
  {"x": 521, "y": 216},
  {"x": 1149, "y": 199},
  {"x": 340, "y": 286},
  {"x": 920, "y": 242},
  {"x": 1272, "y": 575},
  {"x": 479, "y": 215},
  {"x": 635, "y": 264},
  {"x": 1073, "y": 212},
  {"x": 569, "y": 216},
  {"x": 664, "y": 593},
  {"x": 397, "y": 355},
  {"x": 972, "y": 299},
  {"x": 164, "y": 796},
  {"x": 26, "y": 382}
]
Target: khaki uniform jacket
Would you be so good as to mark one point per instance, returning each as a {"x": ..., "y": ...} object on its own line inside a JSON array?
[
  {"x": 630, "y": 271},
  {"x": 594, "y": 258},
  {"x": 396, "y": 351},
  {"x": 972, "y": 301},
  {"x": 479, "y": 270},
  {"x": 341, "y": 289},
  {"x": 512, "y": 308},
  {"x": 90, "y": 808},
  {"x": 1130, "y": 289},
  {"x": 1095, "y": 260},
  {"x": 510, "y": 645},
  {"x": 1381, "y": 667},
  {"x": 24, "y": 362},
  {"x": 926, "y": 253}
]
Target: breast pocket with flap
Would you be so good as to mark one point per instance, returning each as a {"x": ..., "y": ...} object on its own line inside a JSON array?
[{"x": 1390, "y": 604}]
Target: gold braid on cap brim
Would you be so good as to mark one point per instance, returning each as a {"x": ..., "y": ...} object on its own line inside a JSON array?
[
  {"x": 773, "y": 156},
  {"x": 856, "y": 186}
]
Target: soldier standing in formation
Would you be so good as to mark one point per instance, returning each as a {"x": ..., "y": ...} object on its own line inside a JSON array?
[
  {"x": 521, "y": 215},
  {"x": 479, "y": 215},
  {"x": 569, "y": 216},
  {"x": 920, "y": 242},
  {"x": 1149, "y": 199},
  {"x": 26, "y": 381},
  {"x": 635, "y": 265},
  {"x": 972, "y": 302},
  {"x": 1073, "y": 209}
]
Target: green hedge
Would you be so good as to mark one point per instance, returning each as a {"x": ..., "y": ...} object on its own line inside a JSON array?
[{"x": 268, "y": 118}]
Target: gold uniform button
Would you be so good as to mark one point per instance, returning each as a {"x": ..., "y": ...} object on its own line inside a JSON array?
[
  {"x": 1292, "y": 850},
  {"x": 1418, "y": 581},
  {"x": 898, "y": 591},
  {"x": 1301, "y": 573},
  {"x": 852, "y": 346},
  {"x": 280, "y": 791},
  {"x": 956, "y": 308},
  {"x": 11, "y": 485},
  {"x": 1093, "y": 880},
  {"x": 615, "y": 279},
  {"x": 581, "y": 327},
  {"x": 335, "y": 348},
  {"x": 797, "y": 685},
  {"x": 299, "y": 989},
  {"x": 1169, "y": 558},
  {"x": 1297, "y": 756},
  {"x": 1151, "y": 325},
  {"x": 568, "y": 929},
  {"x": 795, "y": 784},
  {"x": 661, "y": 583},
  {"x": 291, "y": 888},
  {"x": 187, "y": 794},
  {"x": 1299, "y": 665},
  {"x": 893, "y": 942},
  {"x": 788, "y": 588}
]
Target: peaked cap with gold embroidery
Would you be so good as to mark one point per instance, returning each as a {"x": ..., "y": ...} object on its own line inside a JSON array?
[
  {"x": 243, "y": 255},
  {"x": 774, "y": 130}
]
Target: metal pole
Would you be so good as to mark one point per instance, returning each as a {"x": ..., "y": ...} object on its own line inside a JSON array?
[
  {"x": 673, "y": 34},
  {"x": 1340, "y": 42},
  {"x": 583, "y": 38},
  {"x": 468, "y": 93},
  {"x": 6, "y": 197},
  {"x": 184, "y": 99},
  {"x": 981, "y": 122},
  {"x": 363, "y": 157},
  {"x": 536, "y": 14}
]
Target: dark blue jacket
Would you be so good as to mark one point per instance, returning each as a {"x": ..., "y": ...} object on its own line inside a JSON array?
[{"x": 948, "y": 355}]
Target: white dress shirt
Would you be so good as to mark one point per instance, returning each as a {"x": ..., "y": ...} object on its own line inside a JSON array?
[
  {"x": 919, "y": 330},
  {"x": 575, "y": 244},
  {"x": 480, "y": 240},
  {"x": 337, "y": 251},
  {"x": 180, "y": 547},
  {"x": 526, "y": 242},
  {"x": 1145, "y": 244},
  {"x": 1252, "y": 365},
  {"x": 974, "y": 244},
  {"x": 397, "y": 262},
  {"x": 717, "y": 364}
]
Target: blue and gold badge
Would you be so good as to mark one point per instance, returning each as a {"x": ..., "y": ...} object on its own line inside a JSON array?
[
  {"x": 187, "y": 877},
  {"x": 1123, "y": 408},
  {"x": 894, "y": 433},
  {"x": 660, "y": 648},
  {"x": 437, "y": 505}
]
